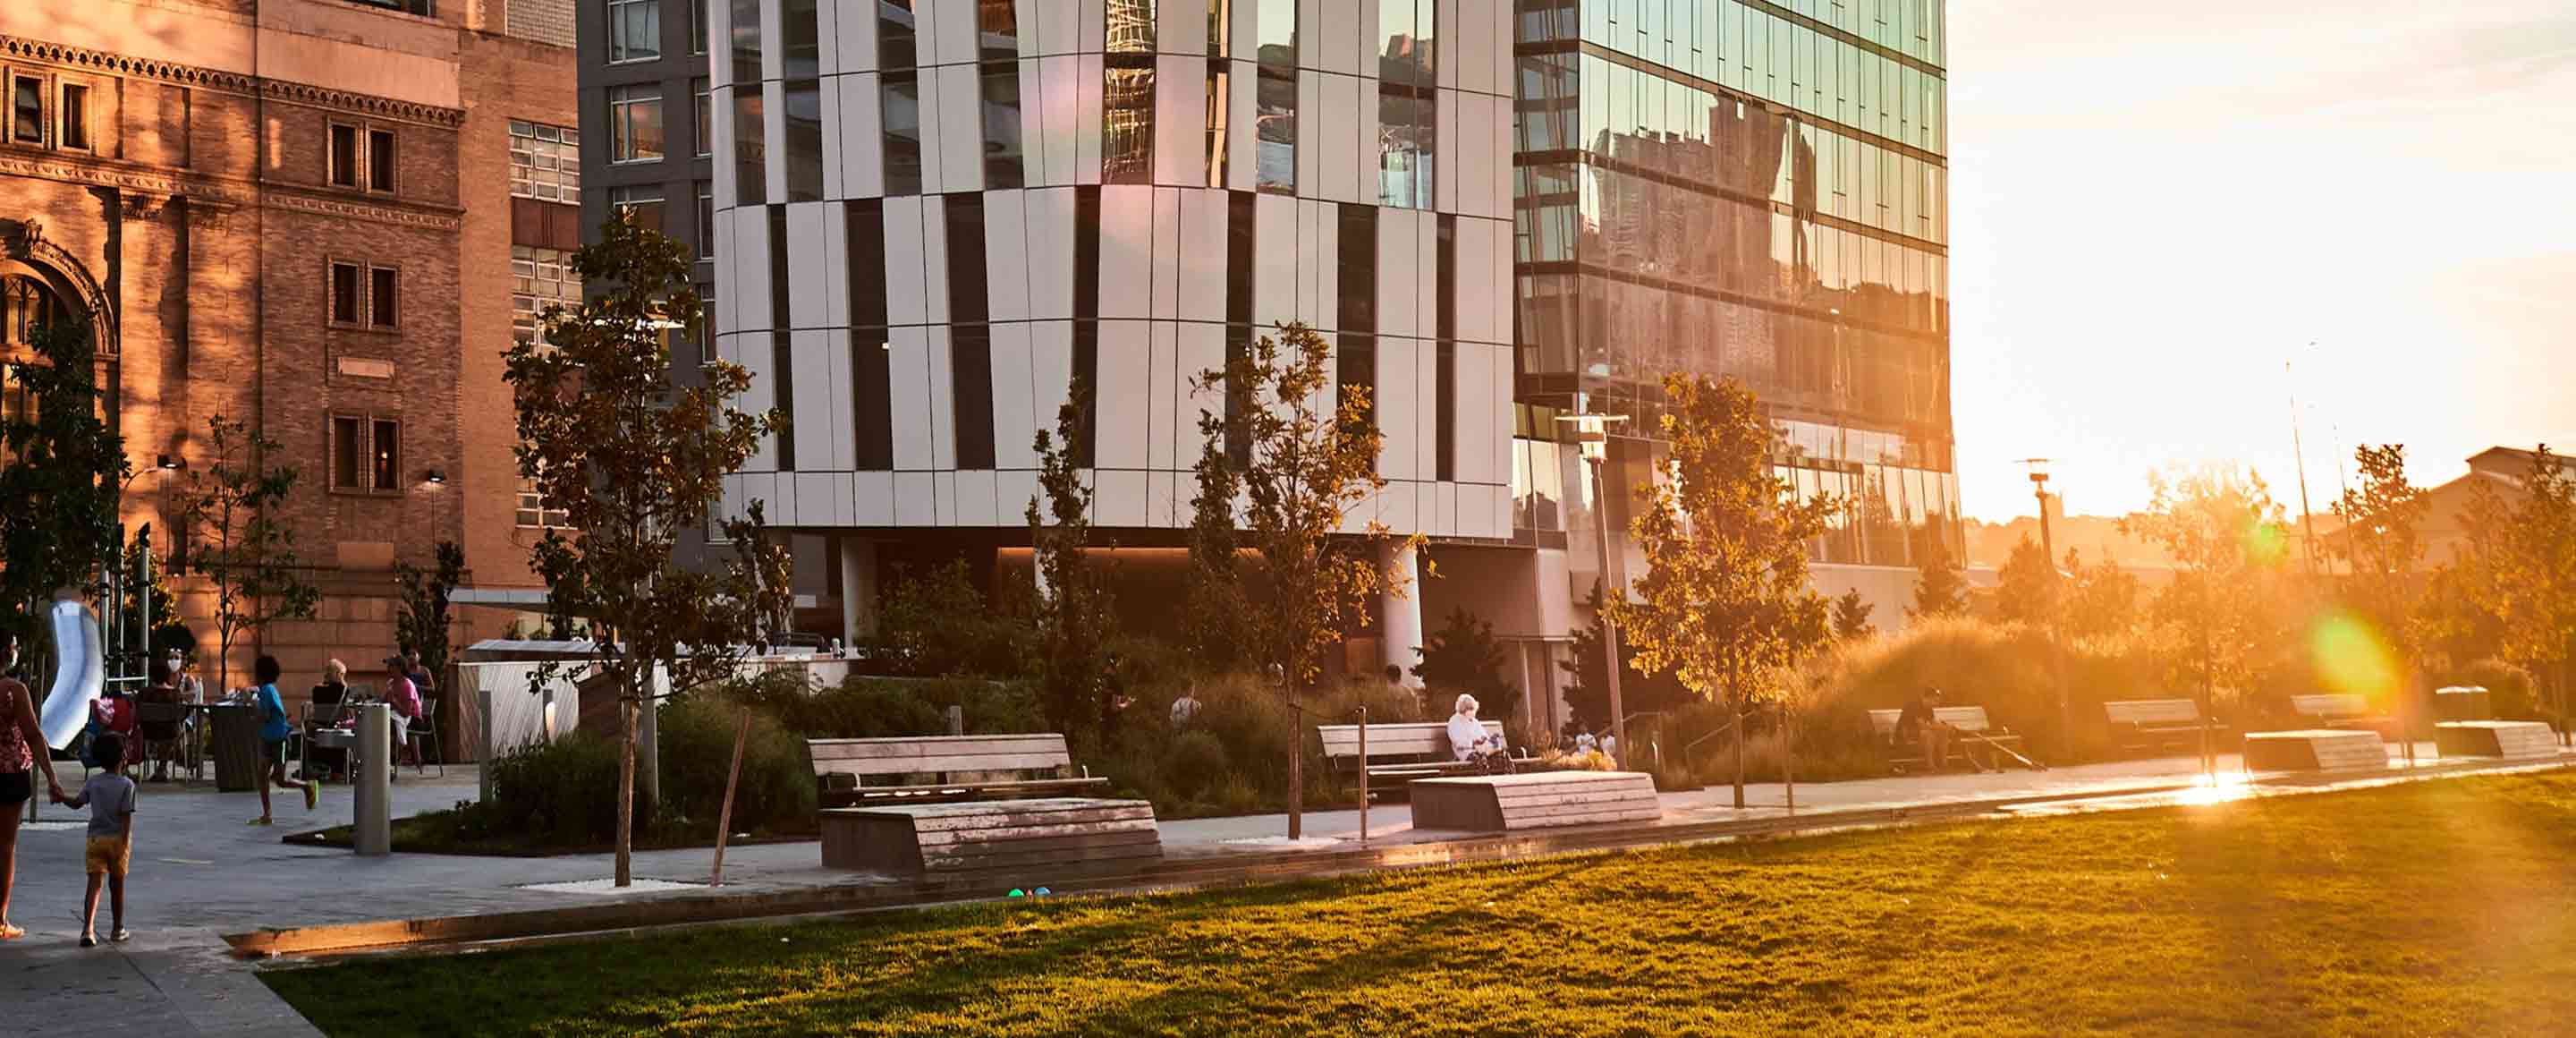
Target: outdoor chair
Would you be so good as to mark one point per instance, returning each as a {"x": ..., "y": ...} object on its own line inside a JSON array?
[
  {"x": 150, "y": 715},
  {"x": 423, "y": 739}
]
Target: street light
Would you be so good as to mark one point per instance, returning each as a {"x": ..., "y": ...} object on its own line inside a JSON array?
[
  {"x": 2056, "y": 656},
  {"x": 1592, "y": 431}
]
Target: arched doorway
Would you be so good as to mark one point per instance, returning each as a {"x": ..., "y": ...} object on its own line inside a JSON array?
[{"x": 28, "y": 302}]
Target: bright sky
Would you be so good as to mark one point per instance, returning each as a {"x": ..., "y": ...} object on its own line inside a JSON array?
[{"x": 2155, "y": 205}]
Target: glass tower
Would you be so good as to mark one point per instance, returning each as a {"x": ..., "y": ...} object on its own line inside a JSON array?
[{"x": 1749, "y": 189}]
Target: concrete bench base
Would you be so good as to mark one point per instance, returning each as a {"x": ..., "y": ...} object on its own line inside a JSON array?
[
  {"x": 1067, "y": 833},
  {"x": 1500, "y": 803},
  {"x": 2495, "y": 739},
  {"x": 2321, "y": 749}
]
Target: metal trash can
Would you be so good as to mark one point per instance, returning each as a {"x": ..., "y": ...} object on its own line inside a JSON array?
[
  {"x": 238, "y": 767},
  {"x": 2463, "y": 703}
]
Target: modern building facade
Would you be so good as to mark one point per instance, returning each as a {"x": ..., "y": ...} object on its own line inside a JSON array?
[
  {"x": 291, "y": 214},
  {"x": 933, "y": 219},
  {"x": 1742, "y": 188}
]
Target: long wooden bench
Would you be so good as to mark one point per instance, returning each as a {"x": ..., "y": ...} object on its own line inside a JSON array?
[
  {"x": 943, "y": 767},
  {"x": 2342, "y": 710},
  {"x": 1410, "y": 750},
  {"x": 2318, "y": 749},
  {"x": 1501, "y": 803},
  {"x": 1044, "y": 837},
  {"x": 2508, "y": 739},
  {"x": 1964, "y": 718},
  {"x": 2146, "y": 724}
]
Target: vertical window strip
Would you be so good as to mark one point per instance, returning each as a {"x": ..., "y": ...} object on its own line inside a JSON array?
[
  {"x": 782, "y": 374},
  {"x": 968, "y": 297},
  {"x": 1444, "y": 290},
  {"x": 970, "y": 372}
]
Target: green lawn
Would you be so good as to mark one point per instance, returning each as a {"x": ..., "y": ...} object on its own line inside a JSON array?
[{"x": 2442, "y": 907}]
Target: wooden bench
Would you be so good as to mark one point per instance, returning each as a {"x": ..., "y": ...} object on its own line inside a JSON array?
[
  {"x": 2509, "y": 739},
  {"x": 2342, "y": 711},
  {"x": 2146, "y": 724},
  {"x": 943, "y": 767},
  {"x": 1500, "y": 803},
  {"x": 2316, "y": 749},
  {"x": 1411, "y": 749},
  {"x": 1043, "y": 837},
  {"x": 1964, "y": 718}
]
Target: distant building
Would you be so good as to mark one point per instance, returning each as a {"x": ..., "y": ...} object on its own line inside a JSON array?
[
  {"x": 2502, "y": 470},
  {"x": 297, "y": 214}
]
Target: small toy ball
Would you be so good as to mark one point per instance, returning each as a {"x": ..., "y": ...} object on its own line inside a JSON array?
[
  {"x": 1017, "y": 892},
  {"x": 1042, "y": 892}
]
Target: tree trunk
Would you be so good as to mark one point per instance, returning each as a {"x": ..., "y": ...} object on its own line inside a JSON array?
[
  {"x": 1297, "y": 768},
  {"x": 625, "y": 787},
  {"x": 1789, "y": 752},
  {"x": 1739, "y": 752}
]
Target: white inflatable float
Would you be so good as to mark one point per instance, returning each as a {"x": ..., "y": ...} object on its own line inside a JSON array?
[{"x": 77, "y": 672}]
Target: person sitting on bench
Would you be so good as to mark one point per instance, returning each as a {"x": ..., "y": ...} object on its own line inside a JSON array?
[
  {"x": 1471, "y": 742},
  {"x": 1920, "y": 726}
]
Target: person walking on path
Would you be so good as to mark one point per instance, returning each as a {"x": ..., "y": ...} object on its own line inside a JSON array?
[
  {"x": 110, "y": 797},
  {"x": 22, "y": 753},
  {"x": 274, "y": 728}
]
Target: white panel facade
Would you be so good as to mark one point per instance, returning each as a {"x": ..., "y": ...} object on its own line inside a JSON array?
[{"x": 1135, "y": 286}]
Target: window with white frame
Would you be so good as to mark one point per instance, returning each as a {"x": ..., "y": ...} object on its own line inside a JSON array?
[
  {"x": 635, "y": 123},
  {"x": 545, "y": 162},
  {"x": 634, "y": 30},
  {"x": 539, "y": 278}
]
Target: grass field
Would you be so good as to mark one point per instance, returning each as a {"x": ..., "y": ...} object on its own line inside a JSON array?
[{"x": 2442, "y": 907}]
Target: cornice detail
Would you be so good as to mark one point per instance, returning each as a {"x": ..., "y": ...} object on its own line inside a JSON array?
[
  {"x": 324, "y": 205},
  {"x": 98, "y": 173},
  {"x": 282, "y": 90}
]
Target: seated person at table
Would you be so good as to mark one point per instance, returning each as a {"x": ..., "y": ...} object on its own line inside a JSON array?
[
  {"x": 333, "y": 691},
  {"x": 162, "y": 737},
  {"x": 402, "y": 692}
]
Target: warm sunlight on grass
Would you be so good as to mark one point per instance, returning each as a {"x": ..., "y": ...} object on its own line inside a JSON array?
[{"x": 2438, "y": 907}]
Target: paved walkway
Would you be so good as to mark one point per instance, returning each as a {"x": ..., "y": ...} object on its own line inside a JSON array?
[{"x": 198, "y": 871}]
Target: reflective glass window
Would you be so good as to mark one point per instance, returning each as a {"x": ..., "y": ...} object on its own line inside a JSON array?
[
  {"x": 1127, "y": 121},
  {"x": 801, "y": 46},
  {"x": 804, "y": 118},
  {"x": 750, "y": 147},
  {"x": 634, "y": 30},
  {"x": 1001, "y": 99}
]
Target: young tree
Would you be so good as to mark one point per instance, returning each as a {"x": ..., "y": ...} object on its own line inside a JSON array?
[
  {"x": 1074, "y": 607},
  {"x": 2027, "y": 591},
  {"x": 65, "y": 471},
  {"x": 633, "y": 459},
  {"x": 2101, "y": 599},
  {"x": 1942, "y": 590},
  {"x": 1851, "y": 617},
  {"x": 423, "y": 624},
  {"x": 1587, "y": 693},
  {"x": 245, "y": 547},
  {"x": 1464, "y": 656},
  {"x": 1725, "y": 603},
  {"x": 2381, "y": 548},
  {"x": 2227, "y": 539},
  {"x": 1302, "y": 470},
  {"x": 2518, "y": 578}
]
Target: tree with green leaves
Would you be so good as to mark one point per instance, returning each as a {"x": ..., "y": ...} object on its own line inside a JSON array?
[
  {"x": 234, "y": 507},
  {"x": 633, "y": 458},
  {"x": 2101, "y": 599},
  {"x": 1075, "y": 611},
  {"x": 1587, "y": 688},
  {"x": 1941, "y": 589},
  {"x": 2381, "y": 547},
  {"x": 1296, "y": 486},
  {"x": 1851, "y": 617},
  {"x": 2517, "y": 579},
  {"x": 2228, "y": 539},
  {"x": 422, "y": 625},
  {"x": 1725, "y": 603},
  {"x": 65, "y": 472},
  {"x": 1464, "y": 656},
  {"x": 2026, "y": 591}
]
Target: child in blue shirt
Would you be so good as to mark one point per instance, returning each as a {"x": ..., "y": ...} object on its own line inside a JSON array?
[{"x": 273, "y": 730}]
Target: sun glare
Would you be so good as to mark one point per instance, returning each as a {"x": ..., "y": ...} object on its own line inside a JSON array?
[{"x": 2218, "y": 789}]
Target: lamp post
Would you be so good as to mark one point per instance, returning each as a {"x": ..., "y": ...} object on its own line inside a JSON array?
[
  {"x": 1593, "y": 432},
  {"x": 2056, "y": 656}
]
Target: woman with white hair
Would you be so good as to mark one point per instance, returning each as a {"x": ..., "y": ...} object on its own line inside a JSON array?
[{"x": 1467, "y": 735}]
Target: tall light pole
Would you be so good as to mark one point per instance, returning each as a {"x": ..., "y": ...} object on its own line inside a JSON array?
[
  {"x": 1593, "y": 432},
  {"x": 2307, "y": 520},
  {"x": 2056, "y": 657}
]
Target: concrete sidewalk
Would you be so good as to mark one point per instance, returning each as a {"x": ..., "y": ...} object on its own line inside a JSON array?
[{"x": 199, "y": 872}]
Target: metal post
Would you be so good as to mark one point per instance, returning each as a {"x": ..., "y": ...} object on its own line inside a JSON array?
[
  {"x": 374, "y": 818},
  {"x": 1609, "y": 624},
  {"x": 1364, "y": 790}
]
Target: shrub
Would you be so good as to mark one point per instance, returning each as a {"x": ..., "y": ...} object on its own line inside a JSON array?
[
  {"x": 561, "y": 793},
  {"x": 1195, "y": 763},
  {"x": 776, "y": 790},
  {"x": 862, "y": 707},
  {"x": 2511, "y": 692}
]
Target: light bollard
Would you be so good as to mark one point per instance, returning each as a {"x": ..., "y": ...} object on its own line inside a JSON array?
[{"x": 374, "y": 834}]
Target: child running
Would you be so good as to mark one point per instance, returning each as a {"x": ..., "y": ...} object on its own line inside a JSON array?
[
  {"x": 109, "y": 795},
  {"x": 274, "y": 729}
]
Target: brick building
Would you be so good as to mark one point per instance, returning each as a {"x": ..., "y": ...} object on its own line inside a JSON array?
[{"x": 299, "y": 214}]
